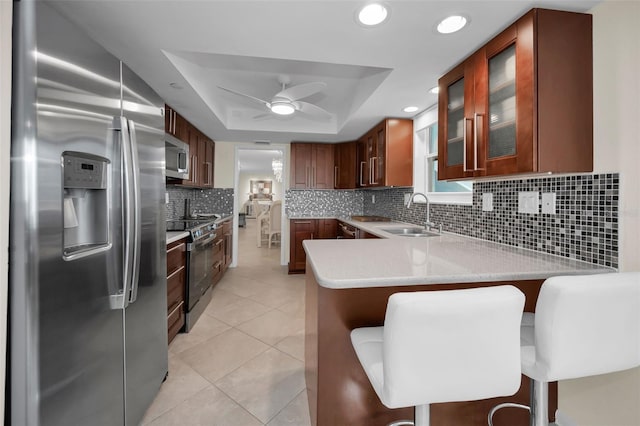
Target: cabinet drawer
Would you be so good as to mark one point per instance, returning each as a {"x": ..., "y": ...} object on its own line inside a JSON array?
[
  {"x": 176, "y": 256},
  {"x": 175, "y": 321},
  {"x": 175, "y": 288},
  {"x": 218, "y": 247}
]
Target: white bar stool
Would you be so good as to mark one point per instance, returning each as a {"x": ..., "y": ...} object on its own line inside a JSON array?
[
  {"x": 443, "y": 346},
  {"x": 584, "y": 325}
]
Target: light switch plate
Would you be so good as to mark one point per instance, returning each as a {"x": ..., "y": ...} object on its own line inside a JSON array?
[
  {"x": 549, "y": 202},
  {"x": 407, "y": 197},
  {"x": 487, "y": 202},
  {"x": 166, "y": 198},
  {"x": 373, "y": 199},
  {"x": 528, "y": 202}
]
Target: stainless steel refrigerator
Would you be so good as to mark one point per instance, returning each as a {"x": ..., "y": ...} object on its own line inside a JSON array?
[{"x": 88, "y": 330}]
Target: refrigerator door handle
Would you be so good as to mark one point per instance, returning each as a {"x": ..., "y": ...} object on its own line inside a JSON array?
[
  {"x": 128, "y": 210},
  {"x": 136, "y": 233}
]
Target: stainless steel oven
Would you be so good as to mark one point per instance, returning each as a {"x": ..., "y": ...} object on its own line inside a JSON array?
[{"x": 200, "y": 265}]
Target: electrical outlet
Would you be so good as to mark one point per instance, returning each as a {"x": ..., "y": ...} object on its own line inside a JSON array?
[
  {"x": 487, "y": 202},
  {"x": 549, "y": 202},
  {"x": 407, "y": 197},
  {"x": 528, "y": 202},
  {"x": 373, "y": 199}
]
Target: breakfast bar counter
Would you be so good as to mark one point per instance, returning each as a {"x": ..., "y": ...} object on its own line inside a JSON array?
[{"x": 348, "y": 283}]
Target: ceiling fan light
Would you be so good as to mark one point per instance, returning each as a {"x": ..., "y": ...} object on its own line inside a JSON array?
[
  {"x": 452, "y": 24},
  {"x": 282, "y": 108},
  {"x": 372, "y": 14}
]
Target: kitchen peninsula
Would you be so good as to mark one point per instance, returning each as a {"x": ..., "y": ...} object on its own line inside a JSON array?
[{"x": 348, "y": 283}]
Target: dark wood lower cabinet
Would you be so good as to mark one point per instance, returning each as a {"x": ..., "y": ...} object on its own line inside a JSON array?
[
  {"x": 338, "y": 390},
  {"x": 307, "y": 229},
  {"x": 176, "y": 281}
]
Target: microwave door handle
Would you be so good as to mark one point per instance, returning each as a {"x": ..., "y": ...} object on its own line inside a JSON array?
[{"x": 136, "y": 235}]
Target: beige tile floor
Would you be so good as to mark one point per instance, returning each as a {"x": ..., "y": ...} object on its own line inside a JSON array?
[{"x": 242, "y": 364}]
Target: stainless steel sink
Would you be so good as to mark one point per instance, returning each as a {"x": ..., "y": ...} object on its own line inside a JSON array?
[{"x": 410, "y": 232}]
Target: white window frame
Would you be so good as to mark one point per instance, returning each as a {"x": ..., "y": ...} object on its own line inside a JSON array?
[{"x": 420, "y": 162}]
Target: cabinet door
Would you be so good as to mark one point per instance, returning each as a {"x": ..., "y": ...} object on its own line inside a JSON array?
[
  {"x": 456, "y": 111},
  {"x": 301, "y": 165},
  {"x": 362, "y": 171},
  {"x": 327, "y": 229},
  {"x": 300, "y": 230},
  {"x": 322, "y": 171},
  {"x": 509, "y": 88},
  {"x": 346, "y": 166},
  {"x": 194, "y": 169},
  {"x": 205, "y": 158},
  {"x": 377, "y": 155}
]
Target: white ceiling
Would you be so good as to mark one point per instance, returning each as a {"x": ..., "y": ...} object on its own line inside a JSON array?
[
  {"x": 257, "y": 161},
  {"x": 371, "y": 73}
]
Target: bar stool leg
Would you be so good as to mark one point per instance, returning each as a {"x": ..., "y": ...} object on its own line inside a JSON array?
[{"x": 539, "y": 404}]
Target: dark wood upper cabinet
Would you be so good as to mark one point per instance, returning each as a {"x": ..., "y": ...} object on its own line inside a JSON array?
[
  {"x": 385, "y": 154},
  {"x": 312, "y": 165},
  {"x": 345, "y": 165},
  {"x": 523, "y": 103},
  {"x": 201, "y": 150}
]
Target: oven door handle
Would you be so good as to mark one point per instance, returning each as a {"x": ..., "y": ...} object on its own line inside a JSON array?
[{"x": 206, "y": 241}]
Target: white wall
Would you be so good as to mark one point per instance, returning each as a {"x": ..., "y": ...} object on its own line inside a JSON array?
[
  {"x": 223, "y": 165},
  {"x": 614, "y": 399},
  {"x": 5, "y": 135}
]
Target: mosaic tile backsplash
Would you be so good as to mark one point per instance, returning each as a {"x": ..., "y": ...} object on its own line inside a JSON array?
[
  {"x": 327, "y": 203},
  {"x": 217, "y": 200},
  {"x": 585, "y": 226}
]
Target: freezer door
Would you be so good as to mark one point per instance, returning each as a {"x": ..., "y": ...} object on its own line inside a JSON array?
[
  {"x": 146, "y": 314},
  {"x": 66, "y": 339}
]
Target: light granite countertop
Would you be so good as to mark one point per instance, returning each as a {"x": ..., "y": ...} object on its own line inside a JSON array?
[
  {"x": 173, "y": 236},
  {"x": 449, "y": 258}
]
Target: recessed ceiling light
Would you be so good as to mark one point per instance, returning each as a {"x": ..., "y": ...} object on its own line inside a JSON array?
[
  {"x": 373, "y": 14},
  {"x": 410, "y": 109},
  {"x": 452, "y": 24},
  {"x": 434, "y": 90},
  {"x": 282, "y": 108}
]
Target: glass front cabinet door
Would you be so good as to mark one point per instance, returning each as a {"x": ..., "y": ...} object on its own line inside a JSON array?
[{"x": 522, "y": 103}]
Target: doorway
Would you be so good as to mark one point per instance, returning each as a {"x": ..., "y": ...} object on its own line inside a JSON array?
[{"x": 260, "y": 179}]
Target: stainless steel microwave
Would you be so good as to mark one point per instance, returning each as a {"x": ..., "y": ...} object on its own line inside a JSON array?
[{"x": 176, "y": 156}]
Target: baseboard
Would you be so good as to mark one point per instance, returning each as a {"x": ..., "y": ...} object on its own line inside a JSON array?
[{"x": 563, "y": 420}]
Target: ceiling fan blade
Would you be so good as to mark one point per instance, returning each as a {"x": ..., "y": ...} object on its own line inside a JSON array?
[
  {"x": 262, "y": 116},
  {"x": 300, "y": 91},
  {"x": 313, "y": 110},
  {"x": 263, "y": 102}
]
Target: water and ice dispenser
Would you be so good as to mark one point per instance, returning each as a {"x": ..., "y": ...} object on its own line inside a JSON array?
[{"x": 85, "y": 204}]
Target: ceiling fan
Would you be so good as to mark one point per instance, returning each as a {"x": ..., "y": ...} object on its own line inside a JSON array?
[{"x": 287, "y": 101}]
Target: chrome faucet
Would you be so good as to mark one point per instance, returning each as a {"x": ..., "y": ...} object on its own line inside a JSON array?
[{"x": 427, "y": 224}]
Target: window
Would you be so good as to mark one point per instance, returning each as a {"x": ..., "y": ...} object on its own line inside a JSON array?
[{"x": 425, "y": 150}]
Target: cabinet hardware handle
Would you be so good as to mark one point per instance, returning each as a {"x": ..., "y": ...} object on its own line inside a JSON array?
[
  {"x": 476, "y": 117},
  {"x": 195, "y": 174},
  {"x": 219, "y": 242},
  {"x": 371, "y": 182},
  {"x": 464, "y": 145},
  {"x": 170, "y": 120},
  {"x": 306, "y": 222},
  {"x": 177, "y": 271},
  {"x": 217, "y": 264},
  {"x": 175, "y": 309},
  {"x": 307, "y": 180},
  {"x": 175, "y": 118},
  {"x": 362, "y": 163},
  {"x": 335, "y": 176}
]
